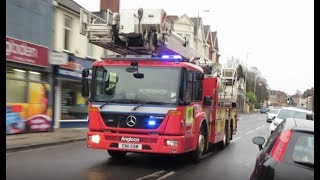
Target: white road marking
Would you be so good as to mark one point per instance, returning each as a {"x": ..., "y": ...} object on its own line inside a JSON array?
[
  {"x": 166, "y": 175},
  {"x": 156, "y": 174},
  {"x": 236, "y": 139},
  {"x": 262, "y": 125},
  {"x": 250, "y": 132}
]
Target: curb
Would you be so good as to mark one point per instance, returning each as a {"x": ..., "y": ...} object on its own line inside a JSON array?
[{"x": 35, "y": 146}]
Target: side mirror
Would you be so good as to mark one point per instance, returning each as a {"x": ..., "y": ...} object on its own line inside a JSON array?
[
  {"x": 258, "y": 140},
  {"x": 131, "y": 69},
  {"x": 273, "y": 117},
  {"x": 138, "y": 75},
  {"x": 85, "y": 83},
  {"x": 207, "y": 101}
]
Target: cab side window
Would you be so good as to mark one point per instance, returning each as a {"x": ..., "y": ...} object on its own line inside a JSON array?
[{"x": 192, "y": 86}]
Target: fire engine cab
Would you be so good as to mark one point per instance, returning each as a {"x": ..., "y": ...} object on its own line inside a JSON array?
[{"x": 158, "y": 95}]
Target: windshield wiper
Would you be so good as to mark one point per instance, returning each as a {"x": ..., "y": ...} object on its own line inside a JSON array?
[
  {"x": 119, "y": 101},
  {"x": 149, "y": 102},
  {"x": 308, "y": 164}
]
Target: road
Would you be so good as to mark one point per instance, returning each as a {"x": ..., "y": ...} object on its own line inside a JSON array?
[{"x": 75, "y": 161}]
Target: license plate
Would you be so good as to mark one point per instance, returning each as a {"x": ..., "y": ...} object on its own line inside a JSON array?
[{"x": 129, "y": 146}]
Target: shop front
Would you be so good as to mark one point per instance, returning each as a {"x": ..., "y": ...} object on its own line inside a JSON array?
[
  {"x": 28, "y": 92},
  {"x": 70, "y": 107}
]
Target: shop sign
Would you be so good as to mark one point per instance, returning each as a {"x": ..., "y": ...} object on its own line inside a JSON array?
[
  {"x": 58, "y": 58},
  {"x": 74, "y": 67},
  {"x": 26, "y": 53}
]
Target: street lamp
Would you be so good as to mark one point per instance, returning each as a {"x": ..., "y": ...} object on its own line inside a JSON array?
[
  {"x": 246, "y": 76},
  {"x": 260, "y": 84},
  {"x": 198, "y": 26}
]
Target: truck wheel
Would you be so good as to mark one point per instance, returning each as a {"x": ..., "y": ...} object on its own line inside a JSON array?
[
  {"x": 202, "y": 142},
  {"x": 117, "y": 154},
  {"x": 226, "y": 138}
]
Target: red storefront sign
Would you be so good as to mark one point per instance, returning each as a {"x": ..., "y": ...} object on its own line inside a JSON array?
[{"x": 27, "y": 53}]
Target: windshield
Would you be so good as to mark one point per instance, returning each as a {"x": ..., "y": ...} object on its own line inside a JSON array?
[
  {"x": 285, "y": 113},
  {"x": 274, "y": 111},
  {"x": 159, "y": 84}
]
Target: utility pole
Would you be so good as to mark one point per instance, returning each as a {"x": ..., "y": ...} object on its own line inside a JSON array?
[{"x": 246, "y": 76}]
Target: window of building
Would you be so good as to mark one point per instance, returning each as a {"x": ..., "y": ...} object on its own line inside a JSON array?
[
  {"x": 73, "y": 105},
  {"x": 67, "y": 32},
  {"x": 16, "y": 91},
  {"x": 22, "y": 84}
]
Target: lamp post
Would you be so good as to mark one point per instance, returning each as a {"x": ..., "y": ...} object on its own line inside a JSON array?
[
  {"x": 260, "y": 84},
  {"x": 246, "y": 76}
]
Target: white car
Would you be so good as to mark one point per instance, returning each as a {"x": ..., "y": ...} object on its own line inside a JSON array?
[
  {"x": 289, "y": 112},
  {"x": 272, "y": 114}
]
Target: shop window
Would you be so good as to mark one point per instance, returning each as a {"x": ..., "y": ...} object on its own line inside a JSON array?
[
  {"x": 15, "y": 91},
  {"x": 34, "y": 76},
  {"x": 67, "y": 32},
  {"x": 73, "y": 105},
  {"x": 16, "y": 73}
]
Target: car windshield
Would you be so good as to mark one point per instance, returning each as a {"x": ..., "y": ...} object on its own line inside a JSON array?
[
  {"x": 115, "y": 84},
  {"x": 274, "y": 111},
  {"x": 286, "y": 113}
]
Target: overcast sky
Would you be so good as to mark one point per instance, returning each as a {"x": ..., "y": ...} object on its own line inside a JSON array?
[{"x": 278, "y": 34}]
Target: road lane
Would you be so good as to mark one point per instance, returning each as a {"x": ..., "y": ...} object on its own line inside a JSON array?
[{"x": 75, "y": 161}]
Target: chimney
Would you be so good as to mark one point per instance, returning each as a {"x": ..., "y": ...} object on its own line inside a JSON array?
[{"x": 113, "y": 5}]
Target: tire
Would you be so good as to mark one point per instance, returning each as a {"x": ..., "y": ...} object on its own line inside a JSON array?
[
  {"x": 117, "y": 154},
  {"x": 197, "y": 155},
  {"x": 226, "y": 138}
]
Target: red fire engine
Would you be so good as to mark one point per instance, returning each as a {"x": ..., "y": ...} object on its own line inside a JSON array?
[{"x": 146, "y": 101}]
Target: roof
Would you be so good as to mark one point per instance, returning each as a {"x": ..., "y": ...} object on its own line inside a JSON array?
[
  {"x": 171, "y": 19},
  {"x": 196, "y": 21},
  {"x": 301, "y": 124},
  {"x": 70, "y": 5},
  {"x": 214, "y": 35},
  {"x": 206, "y": 29},
  {"x": 297, "y": 109}
]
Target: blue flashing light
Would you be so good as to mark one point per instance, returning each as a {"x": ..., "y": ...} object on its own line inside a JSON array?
[
  {"x": 165, "y": 56},
  {"x": 177, "y": 57},
  {"x": 171, "y": 57},
  {"x": 151, "y": 122}
]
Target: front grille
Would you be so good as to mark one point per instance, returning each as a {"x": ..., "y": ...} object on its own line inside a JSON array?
[{"x": 120, "y": 120}]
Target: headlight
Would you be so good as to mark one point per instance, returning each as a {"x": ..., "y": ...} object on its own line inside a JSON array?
[
  {"x": 95, "y": 138},
  {"x": 172, "y": 143}
]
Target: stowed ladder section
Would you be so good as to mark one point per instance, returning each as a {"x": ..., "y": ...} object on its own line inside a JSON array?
[
  {"x": 135, "y": 32},
  {"x": 99, "y": 31}
]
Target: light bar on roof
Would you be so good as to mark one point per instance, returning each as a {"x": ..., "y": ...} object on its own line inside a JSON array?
[{"x": 171, "y": 57}]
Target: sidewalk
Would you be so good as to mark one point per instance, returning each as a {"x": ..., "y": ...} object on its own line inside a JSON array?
[{"x": 20, "y": 142}]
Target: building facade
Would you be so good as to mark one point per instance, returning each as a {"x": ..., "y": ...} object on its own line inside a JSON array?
[
  {"x": 29, "y": 95},
  {"x": 70, "y": 107}
]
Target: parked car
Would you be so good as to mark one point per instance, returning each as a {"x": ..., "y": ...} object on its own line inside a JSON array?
[
  {"x": 263, "y": 110},
  {"x": 288, "y": 153},
  {"x": 272, "y": 114},
  {"x": 289, "y": 112}
]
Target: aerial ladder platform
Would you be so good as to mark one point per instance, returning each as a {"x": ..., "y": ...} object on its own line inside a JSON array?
[{"x": 135, "y": 32}]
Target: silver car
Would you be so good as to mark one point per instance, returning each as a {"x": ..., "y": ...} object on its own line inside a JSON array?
[
  {"x": 272, "y": 114},
  {"x": 289, "y": 112}
]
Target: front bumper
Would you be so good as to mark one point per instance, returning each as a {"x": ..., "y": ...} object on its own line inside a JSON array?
[{"x": 150, "y": 143}]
